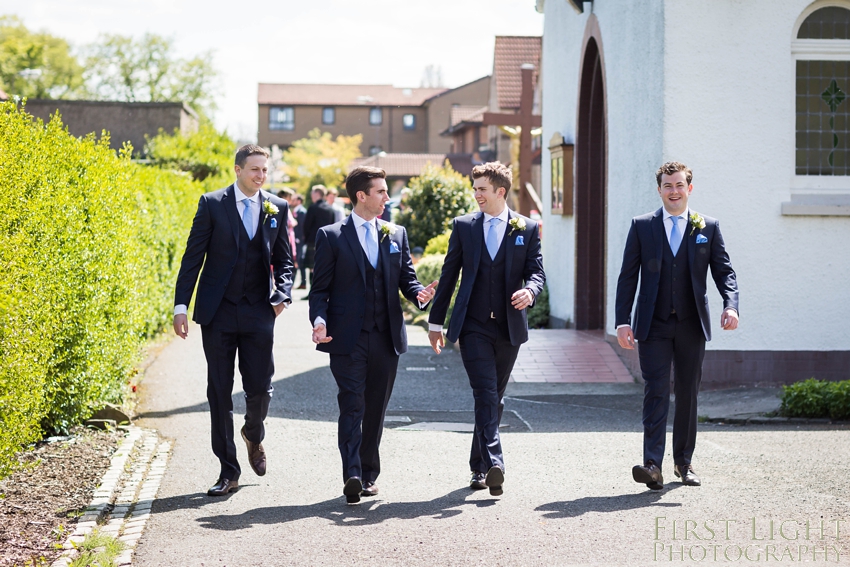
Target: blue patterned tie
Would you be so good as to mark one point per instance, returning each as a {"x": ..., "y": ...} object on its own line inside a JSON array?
[
  {"x": 493, "y": 238},
  {"x": 675, "y": 235},
  {"x": 371, "y": 245},
  {"x": 248, "y": 217}
]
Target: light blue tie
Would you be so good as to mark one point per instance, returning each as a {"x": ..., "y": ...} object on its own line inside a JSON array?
[
  {"x": 493, "y": 238},
  {"x": 371, "y": 246},
  {"x": 248, "y": 217},
  {"x": 675, "y": 236}
]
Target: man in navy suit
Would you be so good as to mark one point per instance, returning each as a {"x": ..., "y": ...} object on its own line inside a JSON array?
[
  {"x": 239, "y": 237},
  {"x": 499, "y": 253},
  {"x": 361, "y": 263},
  {"x": 671, "y": 250}
]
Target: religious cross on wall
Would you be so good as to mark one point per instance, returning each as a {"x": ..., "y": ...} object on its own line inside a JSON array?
[{"x": 525, "y": 120}]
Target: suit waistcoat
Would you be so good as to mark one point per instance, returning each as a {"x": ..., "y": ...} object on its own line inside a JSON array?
[
  {"x": 488, "y": 292},
  {"x": 675, "y": 290},
  {"x": 375, "y": 314},
  {"x": 250, "y": 278}
]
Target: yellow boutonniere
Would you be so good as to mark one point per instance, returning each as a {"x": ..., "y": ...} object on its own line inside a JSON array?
[
  {"x": 516, "y": 224},
  {"x": 388, "y": 229},
  {"x": 697, "y": 222}
]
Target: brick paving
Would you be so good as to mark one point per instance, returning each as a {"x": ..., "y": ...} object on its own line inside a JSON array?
[{"x": 568, "y": 356}]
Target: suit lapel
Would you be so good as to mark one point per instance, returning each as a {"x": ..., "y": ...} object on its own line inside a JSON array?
[
  {"x": 658, "y": 235},
  {"x": 691, "y": 238},
  {"x": 349, "y": 230},
  {"x": 477, "y": 239},
  {"x": 384, "y": 255},
  {"x": 232, "y": 213},
  {"x": 510, "y": 244}
]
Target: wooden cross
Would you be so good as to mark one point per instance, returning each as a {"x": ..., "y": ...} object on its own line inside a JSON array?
[{"x": 526, "y": 121}]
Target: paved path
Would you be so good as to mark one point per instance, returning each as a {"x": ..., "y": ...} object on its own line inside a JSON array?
[
  {"x": 569, "y": 356},
  {"x": 569, "y": 497}
]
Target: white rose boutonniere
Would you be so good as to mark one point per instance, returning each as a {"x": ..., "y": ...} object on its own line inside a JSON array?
[
  {"x": 516, "y": 224},
  {"x": 388, "y": 229},
  {"x": 697, "y": 222},
  {"x": 270, "y": 208}
]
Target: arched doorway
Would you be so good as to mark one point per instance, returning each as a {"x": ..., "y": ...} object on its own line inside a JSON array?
[{"x": 590, "y": 202}]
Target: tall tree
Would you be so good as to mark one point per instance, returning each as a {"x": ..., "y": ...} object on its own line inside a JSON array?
[
  {"x": 146, "y": 70},
  {"x": 37, "y": 65},
  {"x": 319, "y": 158}
]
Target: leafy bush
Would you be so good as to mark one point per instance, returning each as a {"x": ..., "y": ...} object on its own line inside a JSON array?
[
  {"x": 436, "y": 197},
  {"x": 439, "y": 244},
  {"x": 816, "y": 398},
  {"x": 205, "y": 154},
  {"x": 91, "y": 248},
  {"x": 538, "y": 316}
]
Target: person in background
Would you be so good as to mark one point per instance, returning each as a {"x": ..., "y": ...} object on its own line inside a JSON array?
[
  {"x": 332, "y": 198},
  {"x": 318, "y": 215}
]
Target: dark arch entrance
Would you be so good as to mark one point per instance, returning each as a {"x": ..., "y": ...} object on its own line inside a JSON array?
[{"x": 590, "y": 200}]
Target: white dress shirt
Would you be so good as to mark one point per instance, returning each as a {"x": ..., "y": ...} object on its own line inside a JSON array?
[
  {"x": 240, "y": 208},
  {"x": 683, "y": 223}
]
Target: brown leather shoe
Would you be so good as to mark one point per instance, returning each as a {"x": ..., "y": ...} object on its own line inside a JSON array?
[
  {"x": 687, "y": 474},
  {"x": 369, "y": 489},
  {"x": 477, "y": 481},
  {"x": 352, "y": 489},
  {"x": 648, "y": 474},
  {"x": 494, "y": 479},
  {"x": 223, "y": 486},
  {"x": 256, "y": 455}
]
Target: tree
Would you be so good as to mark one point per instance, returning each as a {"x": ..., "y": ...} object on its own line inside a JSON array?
[
  {"x": 432, "y": 77},
  {"x": 437, "y": 196},
  {"x": 37, "y": 65},
  {"x": 319, "y": 158},
  {"x": 206, "y": 154},
  {"x": 146, "y": 70}
]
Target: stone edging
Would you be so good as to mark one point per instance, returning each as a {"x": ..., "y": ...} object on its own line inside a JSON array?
[{"x": 121, "y": 505}]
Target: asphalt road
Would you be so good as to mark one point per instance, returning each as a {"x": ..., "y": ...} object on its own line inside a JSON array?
[{"x": 569, "y": 496}]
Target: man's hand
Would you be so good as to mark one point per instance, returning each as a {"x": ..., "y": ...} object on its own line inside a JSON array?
[
  {"x": 320, "y": 335},
  {"x": 278, "y": 309},
  {"x": 729, "y": 319},
  {"x": 181, "y": 325},
  {"x": 522, "y": 298},
  {"x": 427, "y": 294},
  {"x": 626, "y": 337},
  {"x": 437, "y": 341}
]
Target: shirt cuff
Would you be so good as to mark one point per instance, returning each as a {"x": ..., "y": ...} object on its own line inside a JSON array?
[
  {"x": 621, "y": 326},
  {"x": 319, "y": 321},
  {"x": 433, "y": 327},
  {"x": 180, "y": 309}
]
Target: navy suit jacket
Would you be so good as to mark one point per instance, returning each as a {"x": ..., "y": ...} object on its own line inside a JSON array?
[
  {"x": 642, "y": 256},
  {"x": 523, "y": 268},
  {"x": 338, "y": 292},
  {"x": 214, "y": 244}
]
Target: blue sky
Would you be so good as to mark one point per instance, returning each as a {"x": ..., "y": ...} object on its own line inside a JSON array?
[{"x": 318, "y": 41}]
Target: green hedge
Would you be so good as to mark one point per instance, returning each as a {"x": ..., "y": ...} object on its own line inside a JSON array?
[
  {"x": 816, "y": 398},
  {"x": 91, "y": 244}
]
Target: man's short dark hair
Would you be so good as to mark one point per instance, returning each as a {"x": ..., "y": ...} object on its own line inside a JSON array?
[
  {"x": 360, "y": 179},
  {"x": 497, "y": 173},
  {"x": 320, "y": 189},
  {"x": 248, "y": 150},
  {"x": 286, "y": 193},
  {"x": 672, "y": 167}
]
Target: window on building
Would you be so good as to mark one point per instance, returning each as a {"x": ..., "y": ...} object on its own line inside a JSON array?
[
  {"x": 328, "y": 115},
  {"x": 822, "y": 91},
  {"x": 561, "y": 163},
  {"x": 409, "y": 121},
  {"x": 375, "y": 150},
  {"x": 281, "y": 118},
  {"x": 376, "y": 117}
]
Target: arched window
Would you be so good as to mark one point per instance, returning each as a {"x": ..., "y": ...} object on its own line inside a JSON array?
[{"x": 822, "y": 58}]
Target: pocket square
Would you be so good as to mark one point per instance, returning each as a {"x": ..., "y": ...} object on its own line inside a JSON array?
[
  {"x": 520, "y": 241},
  {"x": 394, "y": 248},
  {"x": 274, "y": 223},
  {"x": 701, "y": 239}
]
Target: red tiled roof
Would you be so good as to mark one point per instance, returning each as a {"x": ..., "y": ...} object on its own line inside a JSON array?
[
  {"x": 400, "y": 165},
  {"x": 465, "y": 113},
  {"x": 343, "y": 95},
  {"x": 510, "y": 53}
]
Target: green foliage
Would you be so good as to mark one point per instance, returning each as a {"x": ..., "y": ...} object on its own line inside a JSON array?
[
  {"x": 816, "y": 398},
  {"x": 37, "y": 65},
  {"x": 436, "y": 197},
  {"x": 98, "y": 549},
  {"x": 439, "y": 244},
  {"x": 319, "y": 159},
  {"x": 538, "y": 315},
  {"x": 91, "y": 248},
  {"x": 205, "y": 154},
  {"x": 146, "y": 70},
  {"x": 428, "y": 269}
]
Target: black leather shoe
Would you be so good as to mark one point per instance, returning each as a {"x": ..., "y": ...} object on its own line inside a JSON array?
[
  {"x": 369, "y": 489},
  {"x": 256, "y": 455},
  {"x": 687, "y": 474},
  {"x": 223, "y": 486},
  {"x": 477, "y": 481},
  {"x": 352, "y": 489},
  {"x": 494, "y": 480},
  {"x": 648, "y": 474}
]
